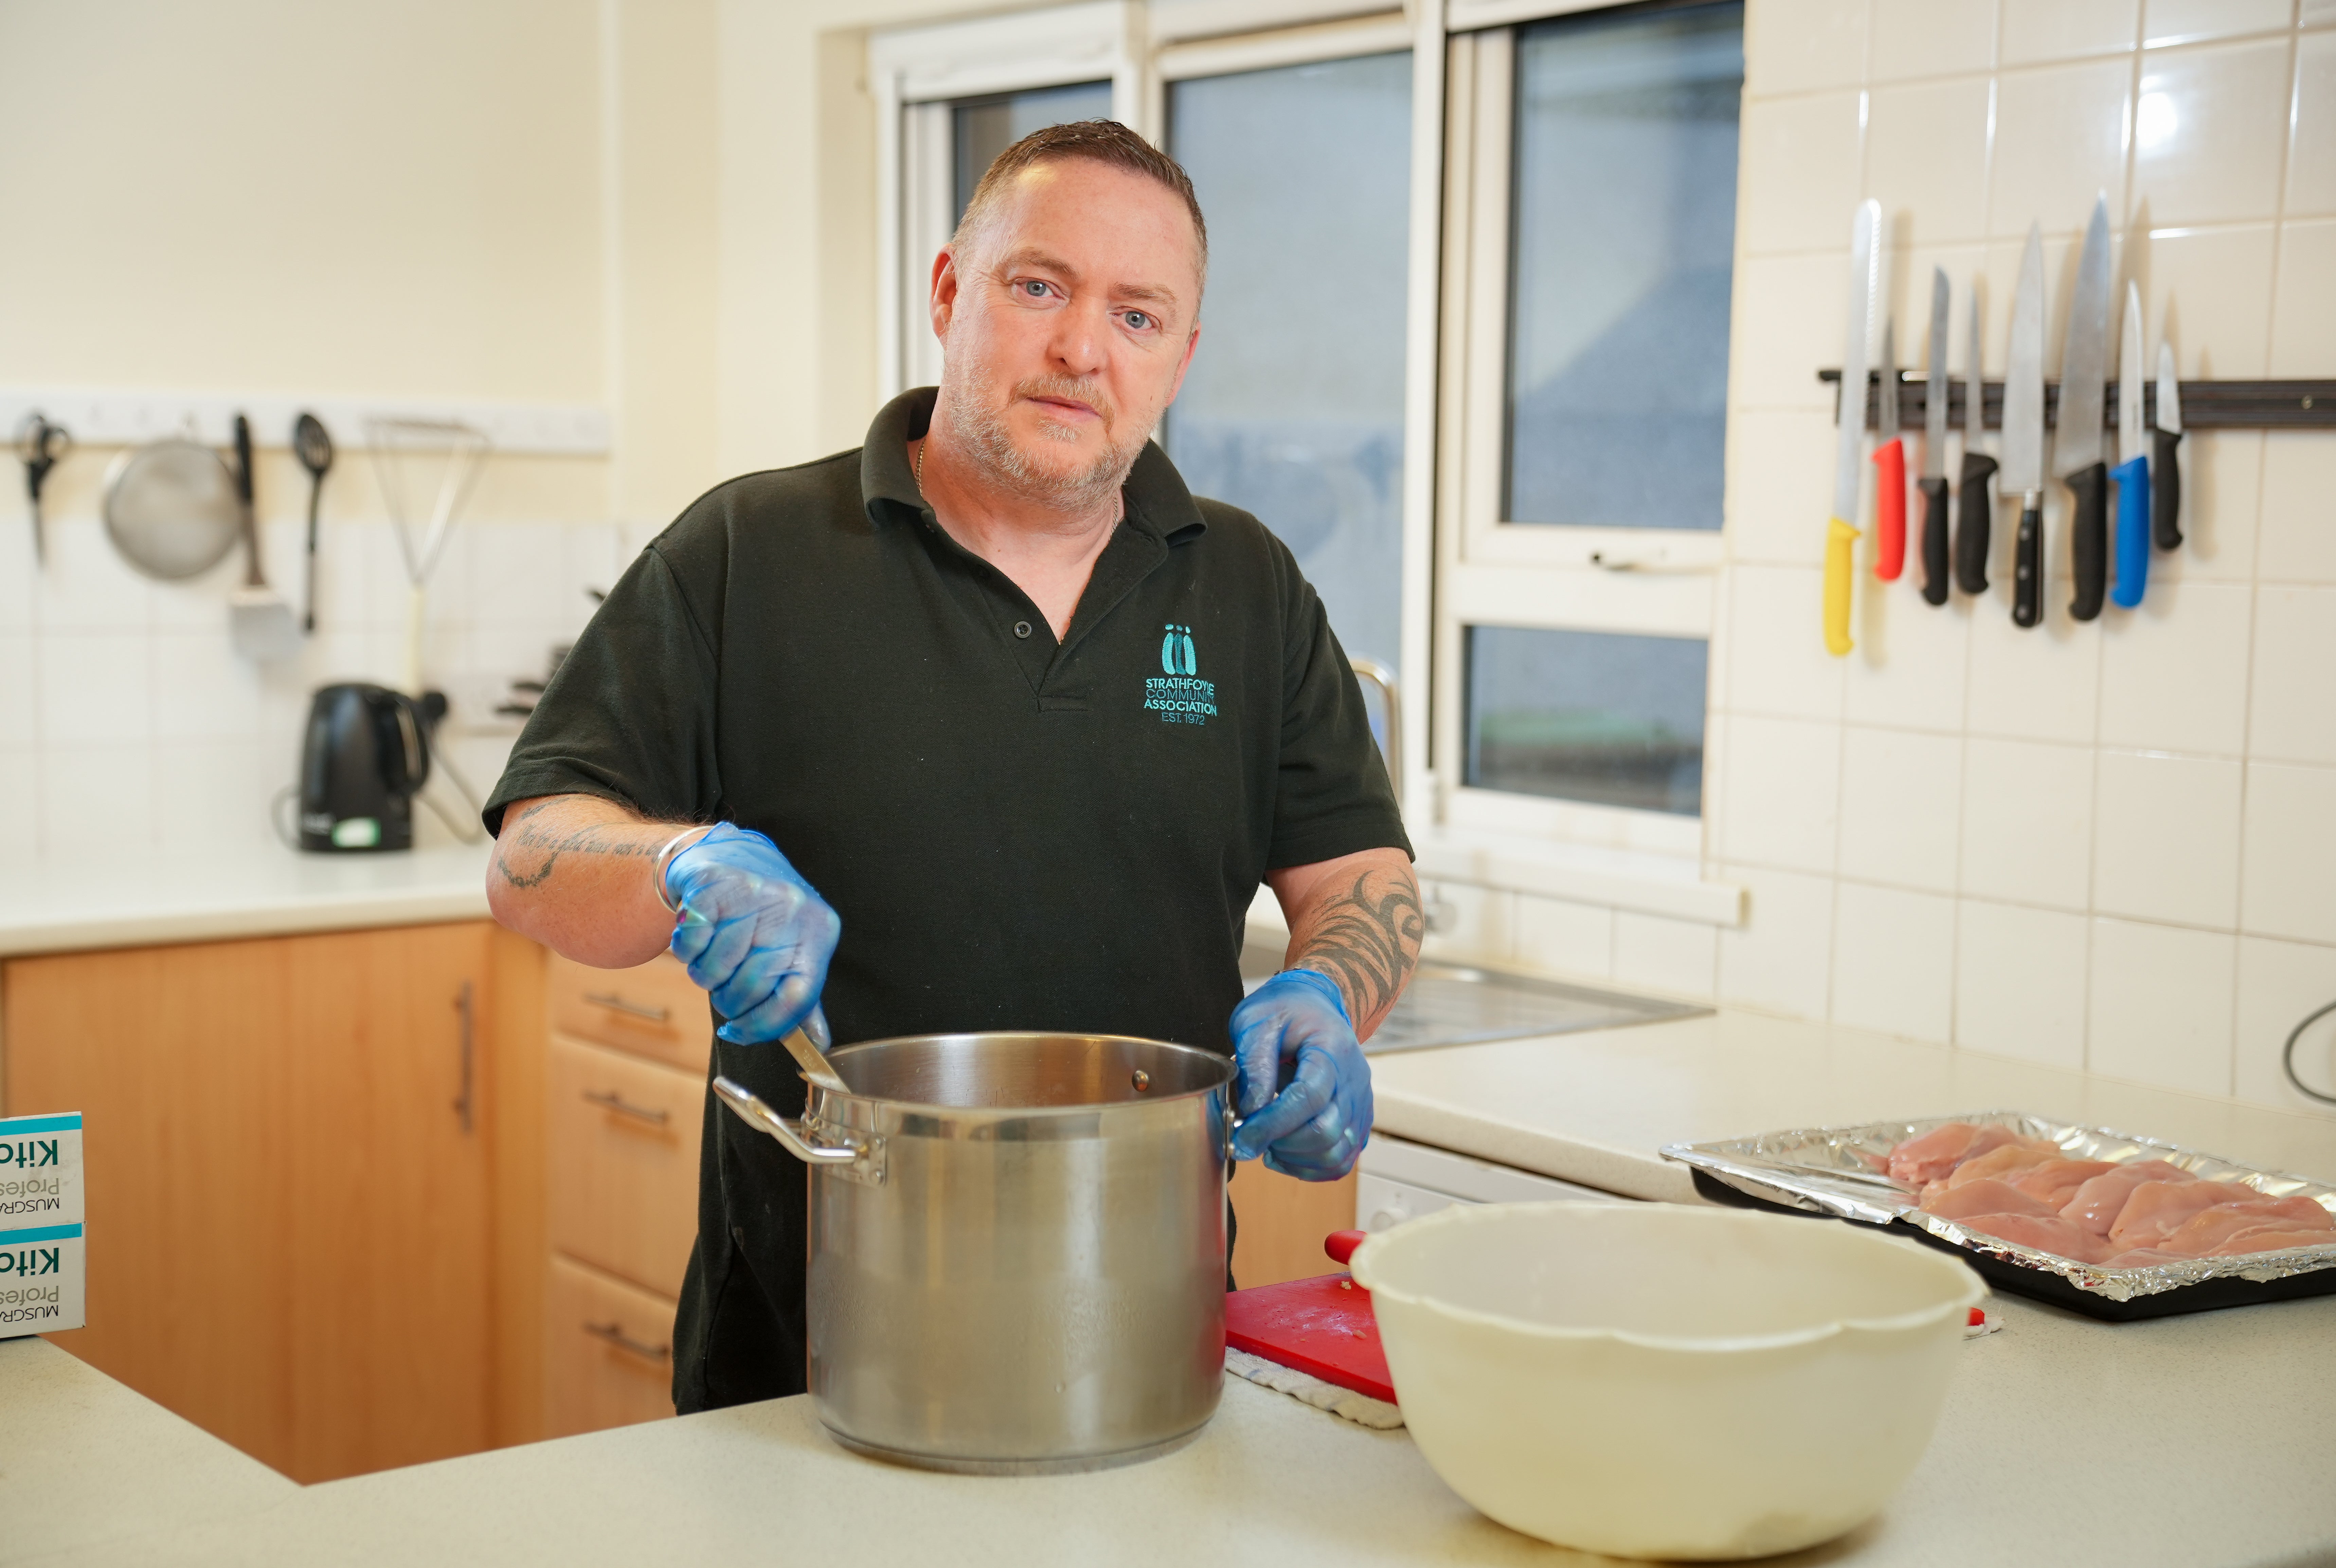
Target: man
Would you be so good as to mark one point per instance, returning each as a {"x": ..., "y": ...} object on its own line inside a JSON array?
[{"x": 996, "y": 728}]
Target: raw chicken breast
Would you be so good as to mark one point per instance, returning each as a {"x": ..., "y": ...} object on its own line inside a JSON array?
[
  {"x": 1941, "y": 1149},
  {"x": 2139, "y": 1258},
  {"x": 2057, "y": 1180},
  {"x": 2157, "y": 1209},
  {"x": 2271, "y": 1238},
  {"x": 2006, "y": 1163},
  {"x": 2099, "y": 1201},
  {"x": 2046, "y": 1233},
  {"x": 1987, "y": 1197},
  {"x": 2203, "y": 1233}
]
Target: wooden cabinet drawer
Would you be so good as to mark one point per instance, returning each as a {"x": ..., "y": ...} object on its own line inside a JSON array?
[
  {"x": 623, "y": 1136},
  {"x": 653, "y": 1010},
  {"x": 608, "y": 1352}
]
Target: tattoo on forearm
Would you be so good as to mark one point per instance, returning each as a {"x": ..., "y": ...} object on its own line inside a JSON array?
[
  {"x": 599, "y": 839},
  {"x": 1366, "y": 941}
]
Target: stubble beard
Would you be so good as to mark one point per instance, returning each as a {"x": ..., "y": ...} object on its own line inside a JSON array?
[{"x": 978, "y": 417}]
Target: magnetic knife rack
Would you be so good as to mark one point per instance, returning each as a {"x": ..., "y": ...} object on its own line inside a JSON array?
[{"x": 2205, "y": 404}]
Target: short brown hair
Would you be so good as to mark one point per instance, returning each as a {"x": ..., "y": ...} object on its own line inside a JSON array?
[{"x": 1105, "y": 141}]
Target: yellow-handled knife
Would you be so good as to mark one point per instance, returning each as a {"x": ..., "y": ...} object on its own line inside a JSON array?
[{"x": 1849, "y": 464}]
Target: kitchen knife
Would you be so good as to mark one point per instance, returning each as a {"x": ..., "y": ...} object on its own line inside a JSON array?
[
  {"x": 1975, "y": 509},
  {"x": 1934, "y": 482},
  {"x": 2076, "y": 444},
  {"x": 2023, "y": 432},
  {"x": 2165, "y": 486},
  {"x": 2132, "y": 472},
  {"x": 1890, "y": 468},
  {"x": 1841, "y": 533}
]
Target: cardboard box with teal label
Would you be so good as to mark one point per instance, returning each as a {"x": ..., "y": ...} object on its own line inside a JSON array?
[{"x": 41, "y": 1265}]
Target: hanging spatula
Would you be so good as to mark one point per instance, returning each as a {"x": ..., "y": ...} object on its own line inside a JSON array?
[{"x": 260, "y": 624}]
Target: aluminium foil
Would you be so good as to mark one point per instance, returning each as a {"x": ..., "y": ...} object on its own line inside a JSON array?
[{"x": 1843, "y": 1172}]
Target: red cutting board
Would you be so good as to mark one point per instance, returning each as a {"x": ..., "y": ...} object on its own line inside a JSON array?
[{"x": 1322, "y": 1327}]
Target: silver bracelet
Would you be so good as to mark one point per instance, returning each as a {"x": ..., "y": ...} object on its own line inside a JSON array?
[{"x": 665, "y": 854}]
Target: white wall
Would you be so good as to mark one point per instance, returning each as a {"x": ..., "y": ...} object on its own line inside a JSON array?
[
  {"x": 2109, "y": 846},
  {"x": 432, "y": 199}
]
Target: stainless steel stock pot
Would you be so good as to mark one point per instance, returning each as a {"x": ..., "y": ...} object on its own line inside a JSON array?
[{"x": 1018, "y": 1246}]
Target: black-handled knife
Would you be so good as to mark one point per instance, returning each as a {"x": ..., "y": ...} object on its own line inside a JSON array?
[
  {"x": 2028, "y": 563},
  {"x": 2023, "y": 432},
  {"x": 1975, "y": 517},
  {"x": 1934, "y": 538},
  {"x": 2165, "y": 467},
  {"x": 1934, "y": 482},
  {"x": 2089, "y": 540},
  {"x": 1974, "y": 522},
  {"x": 2079, "y": 438}
]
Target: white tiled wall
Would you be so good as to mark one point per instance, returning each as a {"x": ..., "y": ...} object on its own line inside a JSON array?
[
  {"x": 2110, "y": 845},
  {"x": 129, "y": 724}
]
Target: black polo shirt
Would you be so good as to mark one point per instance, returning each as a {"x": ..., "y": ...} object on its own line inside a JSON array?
[{"x": 1018, "y": 834}]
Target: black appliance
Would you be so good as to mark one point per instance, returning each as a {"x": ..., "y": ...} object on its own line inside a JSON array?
[{"x": 366, "y": 756}]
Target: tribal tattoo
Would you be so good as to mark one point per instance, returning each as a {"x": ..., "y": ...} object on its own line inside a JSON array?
[
  {"x": 1367, "y": 942},
  {"x": 600, "y": 838}
]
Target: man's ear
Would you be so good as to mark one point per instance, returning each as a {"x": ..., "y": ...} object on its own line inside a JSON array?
[{"x": 943, "y": 306}]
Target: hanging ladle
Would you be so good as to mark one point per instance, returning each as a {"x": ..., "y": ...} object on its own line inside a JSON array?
[{"x": 313, "y": 443}]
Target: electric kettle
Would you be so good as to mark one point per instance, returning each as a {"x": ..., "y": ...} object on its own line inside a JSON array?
[{"x": 366, "y": 755}]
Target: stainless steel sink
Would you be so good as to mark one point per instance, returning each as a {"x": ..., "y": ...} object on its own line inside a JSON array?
[
  {"x": 1454, "y": 1005},
  {"x": 1450, "y": 1004}
]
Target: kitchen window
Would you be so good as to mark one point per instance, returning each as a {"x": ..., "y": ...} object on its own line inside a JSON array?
[
  {"x": 1311, "y": 404},
  {"x": 1294, "y": 407},
  {"x": 1494, "y": 432},
  {"x": 1589, "y": 230}
]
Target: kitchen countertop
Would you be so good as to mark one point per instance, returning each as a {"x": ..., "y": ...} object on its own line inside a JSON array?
[
  {"x": 2192, "y": 1440},
  {"x": 2202, "y": 1440},
  {"x": 1595, "y": 1108},
  {"x": 63, "y": 906}
]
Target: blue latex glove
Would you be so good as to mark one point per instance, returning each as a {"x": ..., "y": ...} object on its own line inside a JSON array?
[
  {"x": 753, "y": 934},
  {"x": 1293, "y": 1035}
]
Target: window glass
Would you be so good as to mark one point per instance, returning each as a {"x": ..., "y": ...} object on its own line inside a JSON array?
[
  {"x": 982, "y": 128},
  {"x": 1622, "y": 227},
  {"x": 1587, "y": 715},
  {"x": 1293, "y": 408}
]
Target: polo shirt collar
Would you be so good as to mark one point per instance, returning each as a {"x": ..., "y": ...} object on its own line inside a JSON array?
[{"x": 1158, "y": 503}]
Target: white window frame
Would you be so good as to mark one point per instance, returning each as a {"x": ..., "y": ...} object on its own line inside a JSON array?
[{"x": 1490, "y": 571}]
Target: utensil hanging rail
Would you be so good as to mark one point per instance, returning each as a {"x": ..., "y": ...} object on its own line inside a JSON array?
[{"x": 2205, "y": 404}]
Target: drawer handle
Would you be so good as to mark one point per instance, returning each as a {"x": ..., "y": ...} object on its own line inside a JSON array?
[
  {"x": 617, "y": 1004},
  {"x": 614, "y": 1334},
  {"x": 609, "y": 1100}
]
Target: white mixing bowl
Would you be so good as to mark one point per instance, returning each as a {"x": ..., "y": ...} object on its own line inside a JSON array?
[{"x": 1661, "y": 1380}]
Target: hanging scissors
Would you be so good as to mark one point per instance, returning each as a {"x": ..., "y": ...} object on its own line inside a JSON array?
[{"x": 43, "y": 446}]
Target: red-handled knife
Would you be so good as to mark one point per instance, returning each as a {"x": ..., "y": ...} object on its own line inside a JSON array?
[{"x": 1890, "y": 465}]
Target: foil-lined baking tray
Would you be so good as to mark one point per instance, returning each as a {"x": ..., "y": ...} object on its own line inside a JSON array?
[{"x": 1843, "y": 1172}]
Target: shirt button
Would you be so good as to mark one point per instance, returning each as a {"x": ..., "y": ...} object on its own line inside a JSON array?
[{"x": 1021, "y": 628}]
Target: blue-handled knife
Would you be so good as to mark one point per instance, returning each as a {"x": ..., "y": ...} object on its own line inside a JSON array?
[{"x": 2132, "y": 472}]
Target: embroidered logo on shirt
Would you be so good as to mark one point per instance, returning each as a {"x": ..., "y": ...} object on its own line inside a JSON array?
[{"x": 1175, "y": 694}]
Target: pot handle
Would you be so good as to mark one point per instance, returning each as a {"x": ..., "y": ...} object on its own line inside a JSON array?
[{"x": 792, "y": 1136}]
